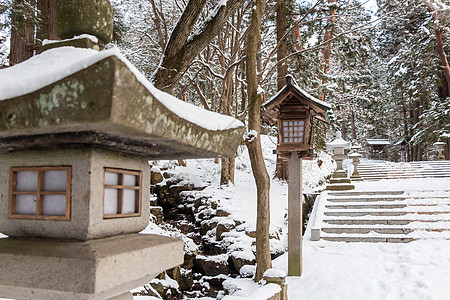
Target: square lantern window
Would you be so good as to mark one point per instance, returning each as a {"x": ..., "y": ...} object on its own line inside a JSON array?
[
  {"x": 41, "y": 193},
  {"x": 293, "y": 131},
  {"x": 122, "y": 193}
]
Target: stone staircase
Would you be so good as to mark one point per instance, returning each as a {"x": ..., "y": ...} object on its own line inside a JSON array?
[
  {"x": 373, "y": 170},
  {"x": 382, "y": 216}
]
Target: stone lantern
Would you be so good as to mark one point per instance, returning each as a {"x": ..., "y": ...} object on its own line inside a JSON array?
[
  {"x": 440, "y": 149},
  {"x": 340, "y": 180},
  {"x": 355, "y": 156},
  {"x": 338, "y": 147},
  {"x": 77, "y": 128},
  {"x": 402, "y": 144},
  {"x": 294, "y": 111}
]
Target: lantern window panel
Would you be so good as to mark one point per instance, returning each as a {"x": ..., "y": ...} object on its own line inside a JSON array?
[
  {"x": 41, "y": 193},
  {"x": 293, "y": 131},
  {"x": 122, "y": 193}
]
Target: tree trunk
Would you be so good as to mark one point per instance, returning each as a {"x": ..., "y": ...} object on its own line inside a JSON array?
[
  {"x": 227, "y": 170},
  {"x": 46, "y": 29},
  {"x": 282, "y": 69},
  {"x": 255, "y": 99},
  {"x": 183, "y": 46},
  {"x": 443, "y": 57},
  {"x": 353, "y": 126},
  {"x": 326, "y": 52},
  {"x": 22, "y": 32},
  {"x": 344, "y": 129},
  {"x": 281, "y": 24}
]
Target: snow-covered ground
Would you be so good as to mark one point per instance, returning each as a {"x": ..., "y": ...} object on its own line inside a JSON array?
[
  {"x": 416, "y": 270},
  {"x": 333, "y": 270}
]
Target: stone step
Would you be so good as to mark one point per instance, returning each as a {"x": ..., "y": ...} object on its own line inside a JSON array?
[
  {"x": 366, "y": 206},
  {"x": 367, "y": 221},
  {"x": 340, "y": 187},
  {"x": 366, "y": 199},
  {"x": 367, "y": 239},
  {"x": 340, "y": 180},
  {"x": 362, "y": 230},
  {"x": 403, "y": 174},
  {"x": 364, "y": 193},
  {"x": 380, "y": 213}
]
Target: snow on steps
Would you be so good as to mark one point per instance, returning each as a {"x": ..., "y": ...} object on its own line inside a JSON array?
[
  {"x": 382, "y": 216},
  {"x": 390, "y": 170}
]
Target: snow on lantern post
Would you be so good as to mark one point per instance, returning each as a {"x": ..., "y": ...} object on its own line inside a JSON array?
[
  {"x": 402, "y": 147},
  {"x": 294, "y": 110}
]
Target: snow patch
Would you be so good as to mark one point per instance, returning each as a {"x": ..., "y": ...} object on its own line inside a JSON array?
[{"x": 93, "y": 38}]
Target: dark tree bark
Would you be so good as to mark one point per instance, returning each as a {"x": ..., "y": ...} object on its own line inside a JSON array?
[
  {"x": 255, "y": 100},
  {"x": 162, "y": 35},
  {"x": 183, "y": 47},
  {"x": 326, "y": 52},
  {"x": 282, "y": 51},
  {"x": 282, "y": 69},
  {"x": 46, "y": 29},
  {"x": 442, "y": 56},
  {"x": 22, "y": 31}
]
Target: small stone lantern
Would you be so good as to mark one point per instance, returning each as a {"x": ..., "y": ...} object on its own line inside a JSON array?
[
  {"x": 340, "y": 180},
  {"x": 401, "y": 144},
  {"x": 355, "y": 156},
  {"x": 294, "y": 110},
  {"x": 440, "y": 149},
  {"x": 338, "y": 146}
]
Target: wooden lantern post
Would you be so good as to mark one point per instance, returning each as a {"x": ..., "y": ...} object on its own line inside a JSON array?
[{"x": 294, "y": 110}]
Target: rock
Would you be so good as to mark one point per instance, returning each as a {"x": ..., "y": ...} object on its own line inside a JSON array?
[
  {"x": 187, "y": 279},
  {"x": 214, "y": 205},
  {"x": 221, "y": 213},
  {"x": 212, "y": 265},
  {"x": 247, "y": 271},
  {"x": 157, "y": 211},
  {"x": 251, "y": 233},
  {"x": 216, "y": 281},
  {"x": 155, "y": 177},
  {"x": 242, "y": 258},
  {"x": 189, "y": 260},
  {"x": 224, "y": 226}
]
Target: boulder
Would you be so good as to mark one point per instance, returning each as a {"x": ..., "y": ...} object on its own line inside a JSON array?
[
  {"x": 242, "y": 258},
  {"x": 225, "y": 225},
  {"x": 156, "y": 177},
  {"x": 212, "y": 265}
]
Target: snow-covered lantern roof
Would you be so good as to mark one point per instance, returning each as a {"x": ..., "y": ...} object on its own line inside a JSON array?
[
  {"x": 294, "y": 110},
  {"x": 338, "y": 145},
  {"x": 401, "y": 144},
  {"x": 70, "y": 96}
]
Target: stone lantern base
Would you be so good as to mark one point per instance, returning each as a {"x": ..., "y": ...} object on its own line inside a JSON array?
[
  {"x": 105, "y": 268},
  {"x": 340, "y": 182}
]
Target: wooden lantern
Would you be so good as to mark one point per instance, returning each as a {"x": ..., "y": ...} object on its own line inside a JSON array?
[{"x": 294, "y": 111}]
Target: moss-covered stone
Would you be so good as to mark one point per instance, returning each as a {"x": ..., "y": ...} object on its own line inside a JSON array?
[
  {"x": 76, "y": 17},
  {"x": 105, "y": 105}
]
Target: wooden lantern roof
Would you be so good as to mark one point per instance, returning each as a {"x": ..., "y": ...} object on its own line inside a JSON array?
[{"x": 291, "y": 95}]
